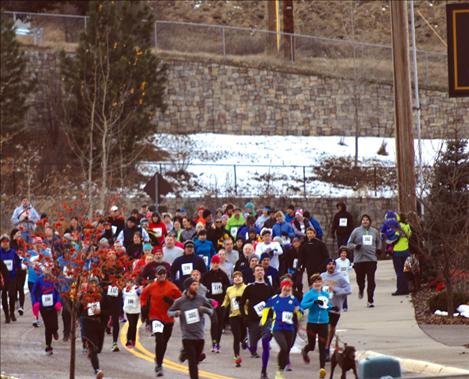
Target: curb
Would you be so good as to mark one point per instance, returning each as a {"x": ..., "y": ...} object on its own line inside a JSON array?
[{"x": 416, "y": 366}]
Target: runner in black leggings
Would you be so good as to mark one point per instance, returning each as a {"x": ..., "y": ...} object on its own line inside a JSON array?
[
  {"x": 285, "y": 308},
  {"x": 93, "y": 313},
  {"x": 317, "y": 302}
]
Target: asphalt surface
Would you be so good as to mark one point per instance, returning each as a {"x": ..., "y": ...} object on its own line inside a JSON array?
[{"x": 390, "y": 328}]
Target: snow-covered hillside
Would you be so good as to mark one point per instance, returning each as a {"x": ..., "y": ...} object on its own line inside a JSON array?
[{"x": 273, "y": 164}]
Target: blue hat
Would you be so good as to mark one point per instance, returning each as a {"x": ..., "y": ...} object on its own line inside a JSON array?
[
  {"x": 147, "y": 246},
  {"x": 264, "y": 256}
]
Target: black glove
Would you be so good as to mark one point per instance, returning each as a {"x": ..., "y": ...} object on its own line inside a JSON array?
[
  {"x": 319, "y": 302},
  {"x": 168, "y": 300},
  {"x": 335, "y": 309},
  {"x": 358, "y": 247}
]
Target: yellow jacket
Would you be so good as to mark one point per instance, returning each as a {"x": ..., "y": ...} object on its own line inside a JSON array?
[
  {"x": 403, "y": 243},
  {"x": 232, "y": 293}
]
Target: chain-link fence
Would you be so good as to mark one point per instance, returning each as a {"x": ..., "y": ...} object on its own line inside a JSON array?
[{"x": 325, "y": 56}]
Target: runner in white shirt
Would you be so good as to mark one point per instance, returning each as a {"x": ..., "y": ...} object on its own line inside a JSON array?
[{"x": 274, "y": 249}]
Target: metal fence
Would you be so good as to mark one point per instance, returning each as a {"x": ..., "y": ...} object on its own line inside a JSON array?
[
  {"x": 323, "y": 55},
  {"x": 241, "y": 180}
]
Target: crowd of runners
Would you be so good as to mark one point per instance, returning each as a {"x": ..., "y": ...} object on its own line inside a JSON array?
[{"x": 241, "y": 269}]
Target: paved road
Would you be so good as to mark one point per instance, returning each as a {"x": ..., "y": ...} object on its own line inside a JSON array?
[{"x": 389, "y": 328}]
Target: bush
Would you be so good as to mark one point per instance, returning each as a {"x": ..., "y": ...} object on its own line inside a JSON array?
[{"x": 438, "y": 301}]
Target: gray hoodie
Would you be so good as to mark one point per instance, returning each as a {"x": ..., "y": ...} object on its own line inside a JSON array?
[
  {"x": 342, "y": 288},
  {"x": 370, "y": 241},
  {"x": 192, "y": 315}
]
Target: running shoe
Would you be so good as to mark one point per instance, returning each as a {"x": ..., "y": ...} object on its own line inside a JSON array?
[
  {"x": 279, "y": 375},
  {"x": 255, "y": 355},
  {"x": 159, "y": 371},
  {"x": 99, "y": 374},
  {"x": 288, "y": 367},
  {"x": 115, "y": 348},
  {"x": 237, "y": 361},
  {"x": 360, "y": 294},
  {"x": 20, "y": 311},
  {"x": 322, "y": 373},
  {"x": 36, "y": 323},
  {"x": 264, "y": 375},
  {"x": 214, "y": 345},
  {"x": 129, "y": 344},
  {"x": 55, "y": 335},
  {"x": 244, "y": 344},
  {"x": 12, "y": 316},
  {"x": 217, "y": 348},
  {"x": 304, "y": 355},
  {"x": 370, "y": 305},
  {"x": 49, "y": 350}
]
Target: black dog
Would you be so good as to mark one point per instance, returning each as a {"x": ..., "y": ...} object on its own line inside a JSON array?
[{"x": 345, "y": 359}]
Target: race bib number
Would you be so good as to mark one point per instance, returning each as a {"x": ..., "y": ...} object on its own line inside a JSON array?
[
  {"x": 287, "y": 317},
  {"x": 112, "y": 291},
  {"x": 325, "y": 302},
  {"x": 234, "y": 231},
  {"x": 295, "y": 263},
  {"x": 93, "y": 308},
  {"x": 259, "y": 307},
  {"x": 48, "y": 300},
  {"x": 157, "y": 326},
  {"x": 368, "y": 240},
  {"x": 9, "y": 264},
  {"x": 192, "y": 316},
  {"x": 342, "y": 222},
  {"x": 129, "y": 302},
  {"x": 270, "y": 280},
  {"x": 217, "y": 288},
  {"x": 158, "y": 232},
  {"x": 343, "y": 269},
  {"x": 186, "y": 268},
  {"x": 234, "y": 305}
]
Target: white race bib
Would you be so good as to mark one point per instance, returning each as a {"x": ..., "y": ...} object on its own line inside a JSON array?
[
  {"x": 186, "y": 268},
  {"x": 205, "y": 258},
  {"x": 158, "y": 232},
  {"x": 234, "y": 231},
  {"x": 368, "y": 240},
  {"x": 129, "y": 302},
  {"x": 295, "y": 263},
  {"x": 270, "y": 280},
  {"x": 192, "y": 316},
  {"x": 48, "y": 300},
  {"x": 259, "y": 307},
  {"x": 343, "y": 268},
  {"x": 112, "y": 291},
  {"x": 217, "y": 288},
  {"x": 157, "y": 326},
  {"x": 287, "y": 317},
  {"x": 234, "y": 304},
  {"x": 93, "y": 308},
  {"x": 325, "y": 302},
  {"x": 342, "y": 222},
  {"x": 9, "y": 264}
]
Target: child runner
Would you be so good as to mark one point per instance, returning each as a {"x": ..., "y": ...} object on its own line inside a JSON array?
[
  {"x": 344, "y": 267},
  {"x": 317, "y": 302},
  {"x": 285, "y": 308}
]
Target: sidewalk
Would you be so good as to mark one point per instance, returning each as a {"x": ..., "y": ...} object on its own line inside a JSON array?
[{"x": 390, "y": 328}]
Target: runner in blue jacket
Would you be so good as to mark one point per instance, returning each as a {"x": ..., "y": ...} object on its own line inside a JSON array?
[{"x": 316, "y": 300}]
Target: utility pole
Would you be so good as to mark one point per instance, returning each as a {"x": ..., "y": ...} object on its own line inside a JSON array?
[
  {"x": 289, "y": 30},
  {"x": 403, "y": 107},
  {"x": 271, "y": 27}
]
